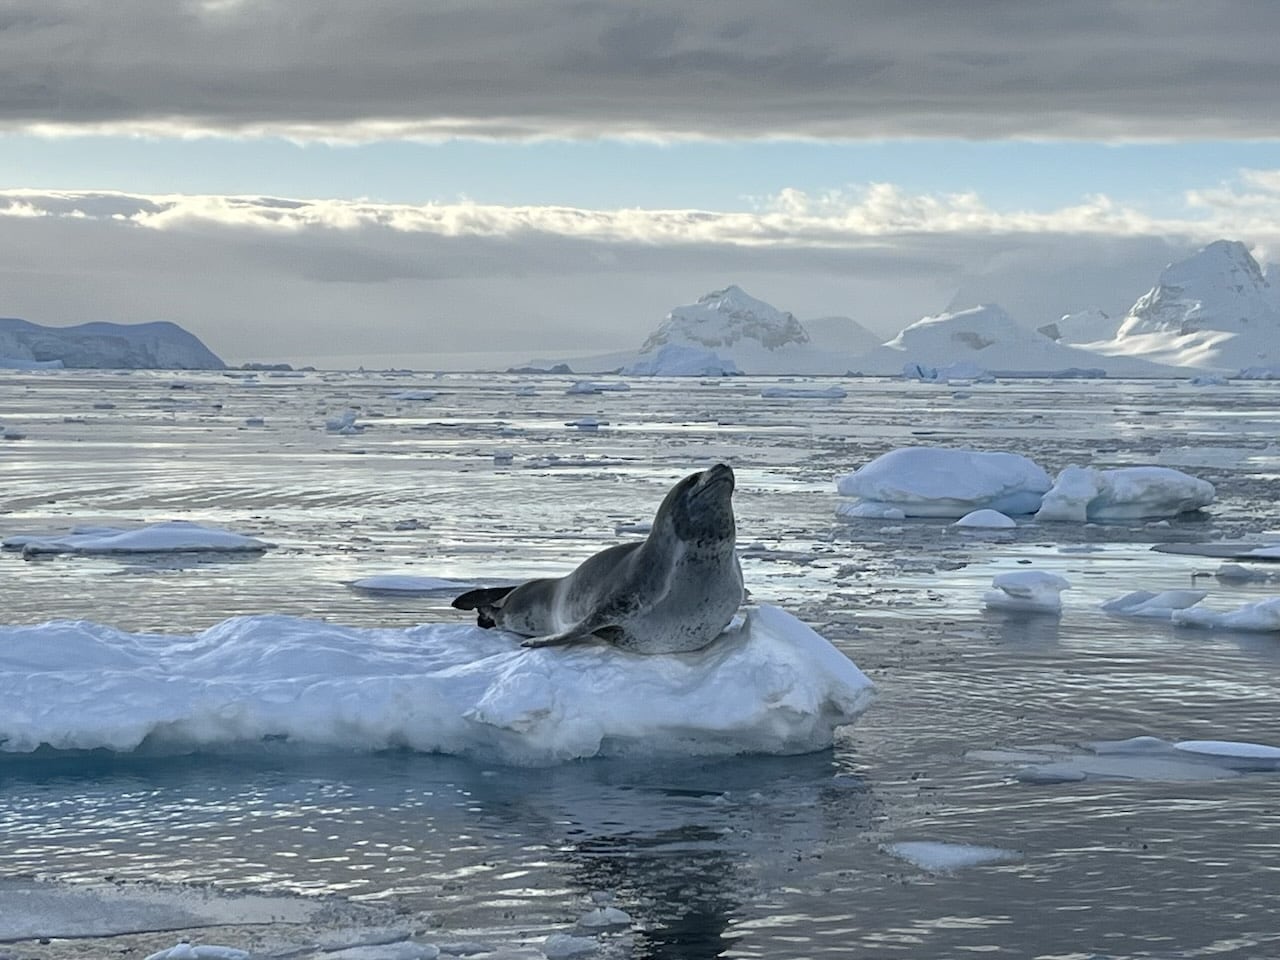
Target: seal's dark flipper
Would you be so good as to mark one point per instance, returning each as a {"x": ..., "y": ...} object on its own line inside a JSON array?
[
  {"x": 483, "y": 597},
  {"x": 556, "y": 639}
]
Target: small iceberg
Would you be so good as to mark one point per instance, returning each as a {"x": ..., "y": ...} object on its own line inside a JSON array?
[
  {"x": 1261, "y": 616},
  {"x": 1153, "y": 606},
  {"x": 1085, "y": 494},
  {"x": 986, "y": 520},
  {"x": 1030, "y": 591},
  {"x": 1148, "y": 758},
  {"x": 948, "y": 482},
  {"x": 175, "y": 536},
  {"x": 938, "y": 857}
]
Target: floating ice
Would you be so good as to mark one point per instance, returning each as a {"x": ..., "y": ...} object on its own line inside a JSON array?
[
  {"x": 805, "y": 393},
  {"x": 938, "y": 857},
  {"x": 563, "y": 945},
  {"x": 943, "y": 482},
  {"x": 1261, "y": 616},
  {"x": 1032, "y": 591},
  {"x": 587, "y": 423},
  {"x": 405, "y": 950},
  {"x": 772, "y": 686},
  {"x": 986, "y": 520},
  {"x": 1082, "y": 494},
  {"x": 681, "y": 360},
  {"x": 199, "y": 951},
  {"x": 344, "y": 423},
  {"x": 1155, "y": 606},
  {"x": 1153, "y": 759},
  {"x": 869, "y": 510},
  {"x": 603, "y": 918},
  {"x": 960, "y": 370},
  {"x": 1208, "y": 380},
  {"x": 413, "y": 395},
  {"x": 1236, "y": 754},
  {"x": 406, "y": 583},
  {"x": 585, "y": 388},
  {"x": 1238, "y": 573},
  {"x": 174, "y": 536}
]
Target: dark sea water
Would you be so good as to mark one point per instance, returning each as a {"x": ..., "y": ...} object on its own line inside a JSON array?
[{"x": 771, "y": 857}]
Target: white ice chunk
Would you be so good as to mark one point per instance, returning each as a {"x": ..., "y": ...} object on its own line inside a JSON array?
[
  {"x": 1239, "y": 573},
  {"x": 563, "y": 945},
  {"x": 199, "y": 951},
  {"x": 1083, "y": 494},
  {"x": 772, "y": 686},
  {"x": 938, "y": 857},
  {"x": 681, "y": 360},
  {"x": 1033, "y": 591},
  {"x": 943, "y": 482},
  {"x": 805, "y": 393},
  {"x": 406, "y": 583},
  {"x": 174, "y": 536},
  {"x": 869, "y": 510},
  {"x": 344, "y": 422},
  {"x": 1237, "y": 754},
  {"x": 1261, "y": 616},
  {"x": 585, "y": 388},
  {"x": 1154, "y": 606},
  {"x": 986, "y": 520},
  {"x": 604, "y": 917}
]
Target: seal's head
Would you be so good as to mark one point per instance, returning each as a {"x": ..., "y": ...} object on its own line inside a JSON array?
[{"x": 699, "y": 508}]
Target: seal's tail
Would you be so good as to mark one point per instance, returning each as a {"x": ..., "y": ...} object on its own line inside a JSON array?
[{"x": 483, "y": 601}]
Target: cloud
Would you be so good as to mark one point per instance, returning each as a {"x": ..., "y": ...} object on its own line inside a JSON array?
[
  {"x": 263, "y": 277},
  {"x": 383, "y": 69}
]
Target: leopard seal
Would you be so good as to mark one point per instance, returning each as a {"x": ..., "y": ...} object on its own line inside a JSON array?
[{"x": 673, "y": 592}]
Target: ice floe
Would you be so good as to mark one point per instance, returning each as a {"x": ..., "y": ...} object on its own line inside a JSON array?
[
  {"x": 1032, "y": 591},
  {"x": 1155, "y": 606},
  {"x": 344, "y": 423},
  {"x": 938, "y": 857},
  {"x": 948, "y": 482},
  {"x": 407, "y": 583},
  {"x": 805, "y": 393},
  {"x": 1261, "y": 616},
  {"x": 174, "y": 536},
  {"x": 1139, "y": 758},
  {"x": 771, "y": 686},
  {"x": 986, "y": 520},
  {"x": 566, "y": 945},
  {"x": 1083, "y": 494}
]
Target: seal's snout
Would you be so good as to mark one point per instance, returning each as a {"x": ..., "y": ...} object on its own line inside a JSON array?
[{"x": 720, "y": 473}]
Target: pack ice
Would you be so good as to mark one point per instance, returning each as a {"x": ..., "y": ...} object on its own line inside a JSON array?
[{"x": 770, "y": 685}]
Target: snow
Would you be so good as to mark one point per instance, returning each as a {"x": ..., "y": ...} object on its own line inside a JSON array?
[
  {"x": 947, "y": 482},
  {"x": 681, "y": 360},
  {"x": 805, "y": 393},
  {"x": 1155, "y": 606},
  {"x": 724, "y": 318},
  {"x": 1085, "y": 494},
  {"x": 1261, "y": 616},
  {"x": 407, "y": 583},
  {"x": 986, "y": 520},
  {"x": 174, "y": 536},
  {"x": 771, "y": 686},
  {"x": 1213, "y": 310},
  {"x": 1030, "y": 591},
  {"x": 987, "y": 338},
  {"x": 1084, "y": 326},
  {"x": 154, "y": 346},
  {"x": 938, "y": 857}
]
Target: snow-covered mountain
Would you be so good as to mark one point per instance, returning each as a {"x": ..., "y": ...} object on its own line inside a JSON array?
[
  {"x": 155, "y": 346},
  {"x": 1214, "y": 310},
  {"x": 726, "y": 318},
  {"x": 987, "y": 338},
  {"x": 1085, "y": 326},
  {"x": 842, "y": 334}
]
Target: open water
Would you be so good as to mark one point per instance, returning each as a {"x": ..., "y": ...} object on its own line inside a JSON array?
[{"x": 753, "y": 857}]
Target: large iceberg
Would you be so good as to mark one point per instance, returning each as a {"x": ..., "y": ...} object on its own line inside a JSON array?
[
  {"x": 681, "y": 360},
  {"x": 1082, "y": 494},
  {"x": 159, "y": 345},
  {"x": 772, "y": 685},
  {"x": 946, "y": 482}
]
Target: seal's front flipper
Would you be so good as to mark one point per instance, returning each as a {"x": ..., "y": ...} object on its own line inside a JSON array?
[
  {"x": 557, "y": 639},
  {"x": 483, "y": 597}
]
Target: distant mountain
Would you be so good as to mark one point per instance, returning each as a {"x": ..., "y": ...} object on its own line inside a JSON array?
[
  {"x": 1215, "y": 310},
  {"x": 1085, "y": 326},
  {"x": 842, "y": 334},
  {"x": 987, "y": 338},
  {"x": 137, "y": 346},
  {"x": 726, "y": 318}
]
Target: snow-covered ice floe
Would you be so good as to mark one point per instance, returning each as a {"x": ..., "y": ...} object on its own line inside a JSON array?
[
  {"x": 986, "y": 520},
  {"x": 1138, "y": 758},
  {"x": 938, "y": 857},
  {"x": 770, "y": 686},
  {"x": 1082, "y": 494},
  {"x": 174, "y": 536},
  {"x": 407, "y": 583},
  {"x": 948, "y": 482},
  {"x": 1154, "y": 606},
  {"x": 1261, "y": 616},
  {"x": 1031, "y": 591}
]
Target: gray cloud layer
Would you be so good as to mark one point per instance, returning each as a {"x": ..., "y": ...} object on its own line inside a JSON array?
[{"x": 825, "y": 68}]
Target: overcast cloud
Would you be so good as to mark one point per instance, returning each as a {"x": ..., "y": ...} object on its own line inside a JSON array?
[
  {"x": 339, "y": 69},
  {"x": 266, "y": 278}
]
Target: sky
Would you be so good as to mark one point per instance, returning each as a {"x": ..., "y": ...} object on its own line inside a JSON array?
[{"x": 400, "y": 182}]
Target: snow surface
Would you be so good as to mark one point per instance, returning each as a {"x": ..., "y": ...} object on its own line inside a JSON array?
[
  {"x": 938, "y": 857},
  {"x": 772, "y": 686},
  {"x": 1082, "y": 494},
  {"x": 174, "y": 536},
  {"x": 1261, "y": 616},
  {"x": 153, "y": 346},
  {"x": 681, "y": 360},
  {"x": 1031, "y": 591},
  {"x": 1084, "y": 326},
  {"x": 1214, "y": 310},
  {"x": 947, "y": 482},
  {"x": 1153, "y": 606}
]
